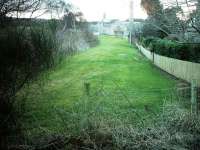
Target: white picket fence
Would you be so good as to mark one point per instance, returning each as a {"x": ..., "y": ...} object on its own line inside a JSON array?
[{"x": 185, "y": 70}]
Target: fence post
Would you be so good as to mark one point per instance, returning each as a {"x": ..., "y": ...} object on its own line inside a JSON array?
[
  {"x": 87, "y": 88},
  {"x": 193, "y": 97},
  {"x": 130, "y": 38},
  {"x": 153, "y": 56}
]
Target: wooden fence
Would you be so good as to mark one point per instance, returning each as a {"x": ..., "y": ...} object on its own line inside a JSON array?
[{"x": 185, "y": 70}]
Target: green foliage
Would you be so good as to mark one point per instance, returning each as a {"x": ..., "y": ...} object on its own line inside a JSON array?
[
  {"x": 149, "y": 30},
  {"x": 26, "y": 51},
  {"x": 173, "y": 49},
  {"x": 148, "y": 41}
]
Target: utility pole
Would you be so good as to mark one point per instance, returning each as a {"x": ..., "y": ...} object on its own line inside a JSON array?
[
  {"x": 131, "y": 10},
  {"x": 102, "y": 23},
  {"x": 131, "y": 19}
]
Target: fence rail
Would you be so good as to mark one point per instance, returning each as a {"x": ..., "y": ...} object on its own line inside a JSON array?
[{"x": 185, "y": 70}]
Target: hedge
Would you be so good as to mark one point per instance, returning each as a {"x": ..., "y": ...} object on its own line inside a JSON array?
[{"x": 173, "y": 49}]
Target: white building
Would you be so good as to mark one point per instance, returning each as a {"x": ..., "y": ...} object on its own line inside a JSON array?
[{"x": 110, "y": 27}]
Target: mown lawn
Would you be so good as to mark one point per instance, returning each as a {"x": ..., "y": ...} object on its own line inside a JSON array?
[{"x": 121, "y": 83}]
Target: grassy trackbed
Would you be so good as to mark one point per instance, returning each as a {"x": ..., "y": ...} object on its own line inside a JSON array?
[{"x": 121, "y": 82}]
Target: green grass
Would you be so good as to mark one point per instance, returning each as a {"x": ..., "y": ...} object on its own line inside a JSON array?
[{"x": 121, "y": 81}]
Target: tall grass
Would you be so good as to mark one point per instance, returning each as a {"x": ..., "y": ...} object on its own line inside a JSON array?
[{"x": 89, "y": 124}]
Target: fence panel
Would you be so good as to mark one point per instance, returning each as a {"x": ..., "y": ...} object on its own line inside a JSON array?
[
  {"x": 145, "y": 52},
  {"x": 185, "y": 70}
]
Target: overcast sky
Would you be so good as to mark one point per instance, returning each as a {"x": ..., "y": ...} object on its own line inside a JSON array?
[{"x": 93, "y": 10}]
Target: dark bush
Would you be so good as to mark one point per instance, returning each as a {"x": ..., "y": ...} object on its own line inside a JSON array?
[
  {"x": 147, "y": 41},
  {"x": 25, "y": 51},
  {"x": 149, "y": 29},
  {"x": 91, "y": 39}
]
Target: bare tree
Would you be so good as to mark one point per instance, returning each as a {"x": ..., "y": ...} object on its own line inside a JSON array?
[
  {"x": 167, "y": 17},
  {"x": 194, "y": 17},
  {"x": 13, "y": 7}
]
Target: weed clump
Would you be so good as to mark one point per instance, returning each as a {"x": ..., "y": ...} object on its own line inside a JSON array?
[{"x": 175, "y": 128}]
